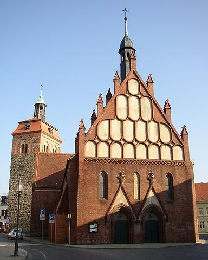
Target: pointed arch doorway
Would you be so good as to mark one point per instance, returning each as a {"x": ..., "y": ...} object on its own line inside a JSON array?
[
  {"x": 120, "y": 228},
  {"x": 152, "y": 228}
]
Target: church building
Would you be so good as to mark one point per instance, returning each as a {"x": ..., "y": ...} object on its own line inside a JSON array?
[{"x": 130, "y": 179}]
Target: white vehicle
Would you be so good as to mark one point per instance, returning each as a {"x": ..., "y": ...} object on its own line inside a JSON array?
[{"x": 12, "y": 234}]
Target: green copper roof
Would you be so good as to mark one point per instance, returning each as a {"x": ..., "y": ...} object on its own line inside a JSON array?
[{"x": 40, "y": 99}]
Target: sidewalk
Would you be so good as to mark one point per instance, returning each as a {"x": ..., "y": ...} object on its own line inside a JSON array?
[{"x": 7, "y": 252}]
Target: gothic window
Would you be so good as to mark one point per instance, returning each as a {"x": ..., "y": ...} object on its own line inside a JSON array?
[
  {"x": 136, "y": 186},
  {"x": 23, "y": 148},
  {"x": 26, "y": 148},
  {"x": 103, "y": 185},
  {"x": 169, "y": 187}
]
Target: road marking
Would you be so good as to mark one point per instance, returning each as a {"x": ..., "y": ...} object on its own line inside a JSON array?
[{"x": 40, "y": 252}]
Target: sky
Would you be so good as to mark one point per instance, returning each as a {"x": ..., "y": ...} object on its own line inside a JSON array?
[{"x": 72, "y": 48}]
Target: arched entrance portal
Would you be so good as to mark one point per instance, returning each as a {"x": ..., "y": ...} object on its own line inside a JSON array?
[
  {"x": 151, "y": 228},
  {"x": 121, "y": 228}
]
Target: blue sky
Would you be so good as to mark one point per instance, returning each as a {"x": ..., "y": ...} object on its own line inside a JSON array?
[{"x": 72, "y": 48}]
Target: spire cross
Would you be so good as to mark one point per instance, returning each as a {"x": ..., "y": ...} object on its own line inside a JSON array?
[
  {"x": 125, "y": 10},
  {"x": 125, "y": 19}
]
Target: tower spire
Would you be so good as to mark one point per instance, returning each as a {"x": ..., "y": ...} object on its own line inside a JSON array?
[
  {"x": 40, "y": 106},
  {"x": 125, "y": 19}
]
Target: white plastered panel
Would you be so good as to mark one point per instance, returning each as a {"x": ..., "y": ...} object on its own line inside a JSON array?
[
  {"x": 103, "y": 130},
  {"x": 178, "y": 153},
  {"x": 154, "y": 152},
  {"x": 133, "y": 86},
  {"x": 165, "y": 134},
  {"x": 140, "y": 130},
  {"x": 165, "y": 152},
  {"x": 141, "y": 151},
  {"x": 153, "y": 133},
  {"x": 90, "y": 149},
  {"x": 134, "y": 112},
  {"x": 146, "y": 108},
  {"x": 116, "y": 150},
  {"x": 103, "y": 150},
  {"x": 116, "y": 129},
  {"x": 128, "y": 130},
  {"x": 121, "y": 107},
  {"x": 129, "y": 151}
]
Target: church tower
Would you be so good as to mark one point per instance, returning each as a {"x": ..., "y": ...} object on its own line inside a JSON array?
[
  {"x": 32, "y": 136},
  {"x": 125, "y": 51}
]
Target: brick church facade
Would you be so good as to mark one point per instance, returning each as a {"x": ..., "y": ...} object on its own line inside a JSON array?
[{"x": 130, "y": 179}]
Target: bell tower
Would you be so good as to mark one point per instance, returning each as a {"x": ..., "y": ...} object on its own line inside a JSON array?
[
  {"x": 126, "y": 48},
  {"x": 31, "y": 137},
  {"x": 40, "y": 106}
]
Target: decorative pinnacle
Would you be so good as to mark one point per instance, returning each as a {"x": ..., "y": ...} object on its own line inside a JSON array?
[
  {"x": 121, "y": 177},
  {"x": 150, "y": 178},
  {"x": 125, "y": 19}
]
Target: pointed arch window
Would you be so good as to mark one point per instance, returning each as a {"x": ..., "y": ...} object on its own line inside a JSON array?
[
  {"x": 103, "y": 185},
  {"x": 136, "y": 186},
  {"x": 24, "y": 148},
  {"x": 169, "y": 187}
]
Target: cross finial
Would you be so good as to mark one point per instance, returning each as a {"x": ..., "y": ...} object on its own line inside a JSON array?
[
  {"x": 125, "y": 19},
  {"x": 125, "y": 11}
]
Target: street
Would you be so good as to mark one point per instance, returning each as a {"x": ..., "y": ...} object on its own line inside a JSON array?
[{"x": 37, "y": 251}]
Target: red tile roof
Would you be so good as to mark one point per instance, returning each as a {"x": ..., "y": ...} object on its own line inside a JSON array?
[
  {"x": 201, "y": 191},
  {"x": 36, "y": 125}
]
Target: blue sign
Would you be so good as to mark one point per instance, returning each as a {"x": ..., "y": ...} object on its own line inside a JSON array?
[
  {"x": 42, "y": 214},
  {"x": 51, "y": 218}
]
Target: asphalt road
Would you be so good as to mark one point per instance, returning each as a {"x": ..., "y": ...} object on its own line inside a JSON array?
[
  {"x": 55, "y": 252},
  {"x": 42, "y": 252}
]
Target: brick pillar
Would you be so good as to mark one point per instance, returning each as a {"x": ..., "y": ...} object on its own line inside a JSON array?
[
  {"x": 150, "y": 86},
  {"x": 167, "y": 110},
  {"x": 184, "y": 136},
  {"x": 133, "y": 60},
  {"x": 117, "y": 85},
  {"x": 99, "y": 106}
]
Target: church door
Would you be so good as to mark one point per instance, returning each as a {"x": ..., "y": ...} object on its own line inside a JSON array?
[
  {"x": 151, "y": 228},
  {"x": 121, "y": 229}
]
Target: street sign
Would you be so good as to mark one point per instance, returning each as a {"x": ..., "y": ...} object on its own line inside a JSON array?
[
  {"x": 51, "y": 218},
  {"x": 93, "y": 227},
  {"x": 42, "y": 214}
]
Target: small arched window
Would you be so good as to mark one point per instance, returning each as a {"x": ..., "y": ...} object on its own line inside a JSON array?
[
  {"x": 169, "y": 187},
  {"x": 103, "y": 185},
  {"x": 23, "y": 148},
  {"x": 136, "y": 186},
  {"x": 26, "y": 148}
]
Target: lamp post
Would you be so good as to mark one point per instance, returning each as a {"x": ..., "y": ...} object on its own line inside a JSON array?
[{"x": 19, "y": 192}]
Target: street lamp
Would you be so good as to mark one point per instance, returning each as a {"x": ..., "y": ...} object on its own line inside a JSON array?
[{"x": 19, "y": 192}]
